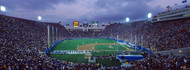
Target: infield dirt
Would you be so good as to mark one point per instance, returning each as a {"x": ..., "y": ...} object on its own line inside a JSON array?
[{"x": 92, "y": 47}]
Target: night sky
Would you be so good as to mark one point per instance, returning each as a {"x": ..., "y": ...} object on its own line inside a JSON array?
[{"x": 68, "y": 11}]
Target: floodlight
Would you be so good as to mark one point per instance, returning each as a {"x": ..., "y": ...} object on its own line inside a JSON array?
[
  {"x": 127, "y": 19},
  {"x": 149, "y": 15},
  {"x": 39, "y": 18},
  {"x": 2, "y": 8}
]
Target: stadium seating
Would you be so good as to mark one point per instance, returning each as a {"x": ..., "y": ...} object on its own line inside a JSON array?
[
  {"x": 22, "y": 43},
  {"x": 159, "y": 36}
]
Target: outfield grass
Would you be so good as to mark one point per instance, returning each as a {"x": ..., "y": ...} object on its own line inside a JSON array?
[{"x": 74, "y": 43}]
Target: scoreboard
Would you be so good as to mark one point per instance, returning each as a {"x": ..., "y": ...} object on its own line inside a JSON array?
[
  {"x": 95, "y": 23},
  {"x": 75, "y": 23},
  {"x": 85, "y": 25}
]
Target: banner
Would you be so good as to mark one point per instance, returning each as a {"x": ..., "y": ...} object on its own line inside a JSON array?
[{"x": 75, "y": 23}]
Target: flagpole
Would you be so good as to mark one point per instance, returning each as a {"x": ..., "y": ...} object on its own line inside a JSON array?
[
  {"x": 53, "y": 35},
  {"x": 131, "y": 38},
  {"x": 135, "y": 42},
  {"x": 48, "y": 36},
  {"x": 142, "y": 43},
  {"x": 117, "y": 43},
  {"x": 56, "y": 35}
]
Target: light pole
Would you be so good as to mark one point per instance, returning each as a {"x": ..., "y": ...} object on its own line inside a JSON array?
[
  {"x": 135, "y": 41},
  {"x": 117, "y": 43},
  {"x": 142, "y": 42}
]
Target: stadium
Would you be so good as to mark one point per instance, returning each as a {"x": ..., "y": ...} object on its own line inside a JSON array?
[
  {"x": 159, "y": 42},
  {"x": 85, "y": 48}
]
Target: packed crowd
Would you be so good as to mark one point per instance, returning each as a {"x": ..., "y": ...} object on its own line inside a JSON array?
[
  {"x": 21, "y": 58},
  {"x": 87, "y": 34},
  {"x": 22, "y": 42},
  {"x": 163, "y": 62},
  {"x": 158, "y": 36}
]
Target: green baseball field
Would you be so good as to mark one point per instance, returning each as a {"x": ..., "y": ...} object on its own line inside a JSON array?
[{"x": 98, "y": 48}]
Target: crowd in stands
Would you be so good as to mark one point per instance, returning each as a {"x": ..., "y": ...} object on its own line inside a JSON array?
[
  {"x": 21, "y": 40},
  {"x": 158, "y": 36},
  {"x": 22, "y": 43},
  {"x": 162, "y": 62},
  {"x": 87, "y": 34}
]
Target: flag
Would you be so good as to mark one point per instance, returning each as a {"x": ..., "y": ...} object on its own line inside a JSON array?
[{"x": 184, "y": 1}]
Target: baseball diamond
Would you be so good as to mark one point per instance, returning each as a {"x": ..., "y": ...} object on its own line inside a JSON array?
[{"x": 98, "y": 47}]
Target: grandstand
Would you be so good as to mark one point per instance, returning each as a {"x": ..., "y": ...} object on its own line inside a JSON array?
[
  {"x": 31, "y": 39},
  {"x": 140, "y": 45}
]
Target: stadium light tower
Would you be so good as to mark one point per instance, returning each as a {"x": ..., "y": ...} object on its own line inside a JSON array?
[
  {"x": 127, "y": 19},
  {"x": 39, "y": 18},
  {"x": 149, "y": 15},
  {"x": 2, "y": 8}
]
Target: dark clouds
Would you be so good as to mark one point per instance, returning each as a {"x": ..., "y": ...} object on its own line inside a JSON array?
[
  {"x": 118, "y": 10},
  {"x": 34, "y": 4},
  {"x": 70, "y": 10}
]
